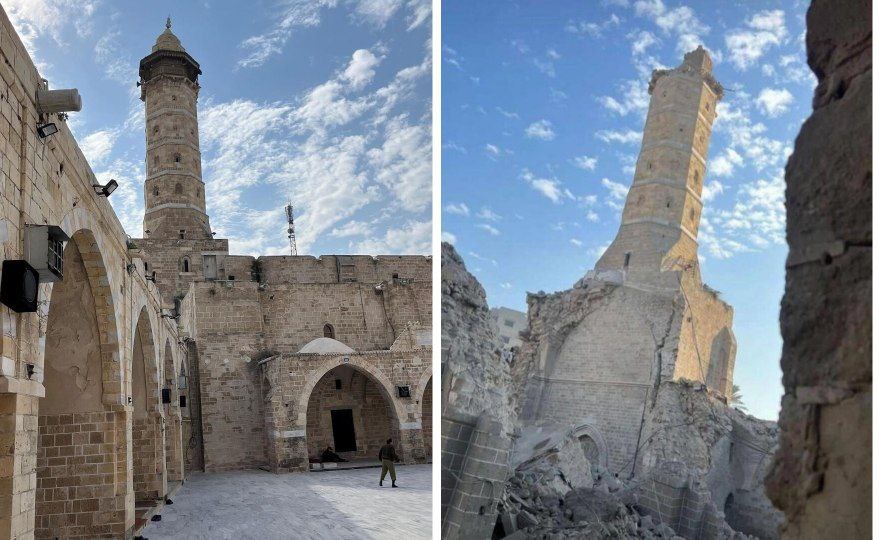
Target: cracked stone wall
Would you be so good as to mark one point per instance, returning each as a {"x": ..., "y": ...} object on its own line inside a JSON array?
[
  {"x": 821, "y": 477},
  {"x": 477, "y": 412}
]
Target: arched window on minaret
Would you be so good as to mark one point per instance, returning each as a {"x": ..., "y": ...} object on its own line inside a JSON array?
[
  {"x": 156, "y": 192},
  {"x": 178, "y": 188},
  {"x": 177, "y": 158},
  {"x": 329, "y": 331},
  {"x": 184, "y": 264}
]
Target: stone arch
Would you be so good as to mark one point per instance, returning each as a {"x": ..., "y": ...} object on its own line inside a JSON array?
[
  {"x": 349, "y": 411},
  {"x": 185, "y": 265},
  {"x": 329, "y": 331},
  {"x": 593, "y": 444},
  {"x": 80, "y": 366},
  {"x": 356, "y": 362},
  {"x": 148, "y": 453},
  {"x": 721, "y": 357},
  {"x": 425, "y": 404},
  {"x": 89, "y": 239}
]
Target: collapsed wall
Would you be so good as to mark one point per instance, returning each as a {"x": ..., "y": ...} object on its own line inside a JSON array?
[
  {"x": 477, "y": 415},
  {"x": 699, "y": 476}
]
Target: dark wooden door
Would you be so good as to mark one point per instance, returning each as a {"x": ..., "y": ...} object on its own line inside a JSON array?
[{"x": 343, "y": 430}]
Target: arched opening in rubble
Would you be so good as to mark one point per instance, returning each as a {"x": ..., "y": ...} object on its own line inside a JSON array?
[
  {"x": 720, "y": 368},
  {"x": 352, "y": 412},
  {"x": 147, "y": 443},
  {"x": 593, "y": 445},
  {"x": 78, "y": 435}
]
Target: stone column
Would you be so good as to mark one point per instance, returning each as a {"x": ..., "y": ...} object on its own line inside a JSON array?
[{"x": 18, "y": 455}]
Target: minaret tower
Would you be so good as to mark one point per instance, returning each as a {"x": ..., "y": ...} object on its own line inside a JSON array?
[
  {"x": 656, "y": 241},
  {"x": 174, "y": 191}
]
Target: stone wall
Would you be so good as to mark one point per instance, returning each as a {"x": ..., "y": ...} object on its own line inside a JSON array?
[
  {"x": 48, "y": 181},
  {"x": 822, "y": 476},
  {"x": 477, "y": 411},
  {"x": 373, "y": 421},
  {"x": 289, "y": 382}
]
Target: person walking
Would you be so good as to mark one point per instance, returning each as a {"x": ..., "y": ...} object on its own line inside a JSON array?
[{"x": 388, "y": 456}]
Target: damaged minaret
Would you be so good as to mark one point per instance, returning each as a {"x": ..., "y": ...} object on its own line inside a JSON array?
[{"x": 598, "y": 353}]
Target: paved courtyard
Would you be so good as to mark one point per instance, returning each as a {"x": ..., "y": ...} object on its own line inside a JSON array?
[{"x": 333, "y": 505}]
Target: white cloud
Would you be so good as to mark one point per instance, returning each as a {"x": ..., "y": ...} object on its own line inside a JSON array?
[
  {"x": 627, "y": 136},
  {"x": 747, "y": 45},
  {"x": 96, "y": 147},
  {"x": 616, "y": 192},
  {"x": 506, "y": 285},
  {"x": 549, "y": 188},
  {"x": 632, "y": 97},
  {"x": 460, "y": 209},
  {"x": 774, "y": 101},
  {"x": 541, "y": 129},
  {"x": 449, "y": 237},
  {"x": 403, "y": 163},
  {"x": 711, "y": 189},
  {"x": 487, "y": 214},
  {"x": 488, "y": 228},
  {"x": 508, "y": 114},
  {"x": 413, "y": 237},
  {"x": 352, "y": 228},
  {"x": 576, "y": 242},
  {"x": 361, "y": 68},
  {"x": 725, "y": 164},
  {"x": 592, "y": 216},
  {"x": 586, "y": 163},
  {"x": 307, "y": 13},
  {"x": 680, "y": 21},
  {"x": 492, "y": 150},
  {"x": 593, "y": 29},
  {"x": 641, "y": 41},
  {"x": 748, "y": 138}
]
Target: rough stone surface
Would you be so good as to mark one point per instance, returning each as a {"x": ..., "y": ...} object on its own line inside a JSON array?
[
  {"x": 477, "y": 414},
  {"x": 821, "y": 476}
]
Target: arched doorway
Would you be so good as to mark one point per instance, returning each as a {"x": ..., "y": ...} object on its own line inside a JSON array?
[
  {"x": 427, "y": 419},
  {"x": 351, "y": 412},
  {"x": 148, "y": 455},
  {"x": 78, "y": 483}
]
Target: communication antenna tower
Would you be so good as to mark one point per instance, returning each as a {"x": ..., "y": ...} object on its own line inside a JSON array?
[{"x": 291, "y": 228}]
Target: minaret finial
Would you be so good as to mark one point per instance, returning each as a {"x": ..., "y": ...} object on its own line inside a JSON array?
[{"x": 168, "y": 23}]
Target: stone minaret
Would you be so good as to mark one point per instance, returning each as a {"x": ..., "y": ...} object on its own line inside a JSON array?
[
  {"x": 174, "y": 191},
  {"x": 660, "y": 222}
]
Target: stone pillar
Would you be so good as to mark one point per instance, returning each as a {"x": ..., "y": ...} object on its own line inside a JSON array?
[
  {"x": 174, "y": 445},
  {"x": 18, "y": 476},
  {"x": 821, "y": 477},
  {"x": 472, "y": 508}
]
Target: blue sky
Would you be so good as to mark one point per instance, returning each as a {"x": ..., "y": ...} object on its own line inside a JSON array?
[
  {"x": 543, "y": 106},
  {"x": 326, "y": 102}
]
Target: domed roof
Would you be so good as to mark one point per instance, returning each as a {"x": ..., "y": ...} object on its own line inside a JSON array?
[
  {"x": 325, "y": 345},
  {"x": 167, "y": 41}
]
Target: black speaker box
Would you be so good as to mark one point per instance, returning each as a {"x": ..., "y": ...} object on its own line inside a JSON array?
[
  {"x": 183, "y": 401},
  {"x": 19, "y": 287}
]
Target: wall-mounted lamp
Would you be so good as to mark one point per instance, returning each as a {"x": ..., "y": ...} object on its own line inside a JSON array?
[
  {"x": 44, "y": 130},
  {"x": 107, "y": 188}
]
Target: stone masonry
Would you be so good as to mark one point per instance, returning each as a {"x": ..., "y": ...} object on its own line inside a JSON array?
[
  {"x": 235, "y": 311},
  {"x": 73, "y": 374},
  {"x": 822, "y": 474}
]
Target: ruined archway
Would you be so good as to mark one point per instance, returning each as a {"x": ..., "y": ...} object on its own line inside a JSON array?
[
  {"x": 720, "y": 368},
  {"x": 148, "y": 454},
  {"x": 79, "y": 435},
  {"x": 351, "y": 411},
  {"x": 592, "y": 443}
]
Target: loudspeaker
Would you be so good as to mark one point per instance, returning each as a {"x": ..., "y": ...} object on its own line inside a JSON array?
[
  {"x": 166, "y": 396},
  {"x": 183, "y": 401},
  {"x": 19, "y": 286}
]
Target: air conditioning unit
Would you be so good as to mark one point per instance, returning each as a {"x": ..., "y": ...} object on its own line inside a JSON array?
[{"x": 44, "y": 250}]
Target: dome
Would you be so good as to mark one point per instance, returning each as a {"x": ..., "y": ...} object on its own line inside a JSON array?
[
  {"x": 325, "y": 345},
  {"x": 167, "y": 41}
]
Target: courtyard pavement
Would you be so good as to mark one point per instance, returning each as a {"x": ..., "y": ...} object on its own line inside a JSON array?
[{"x": 331, "y": 504}]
